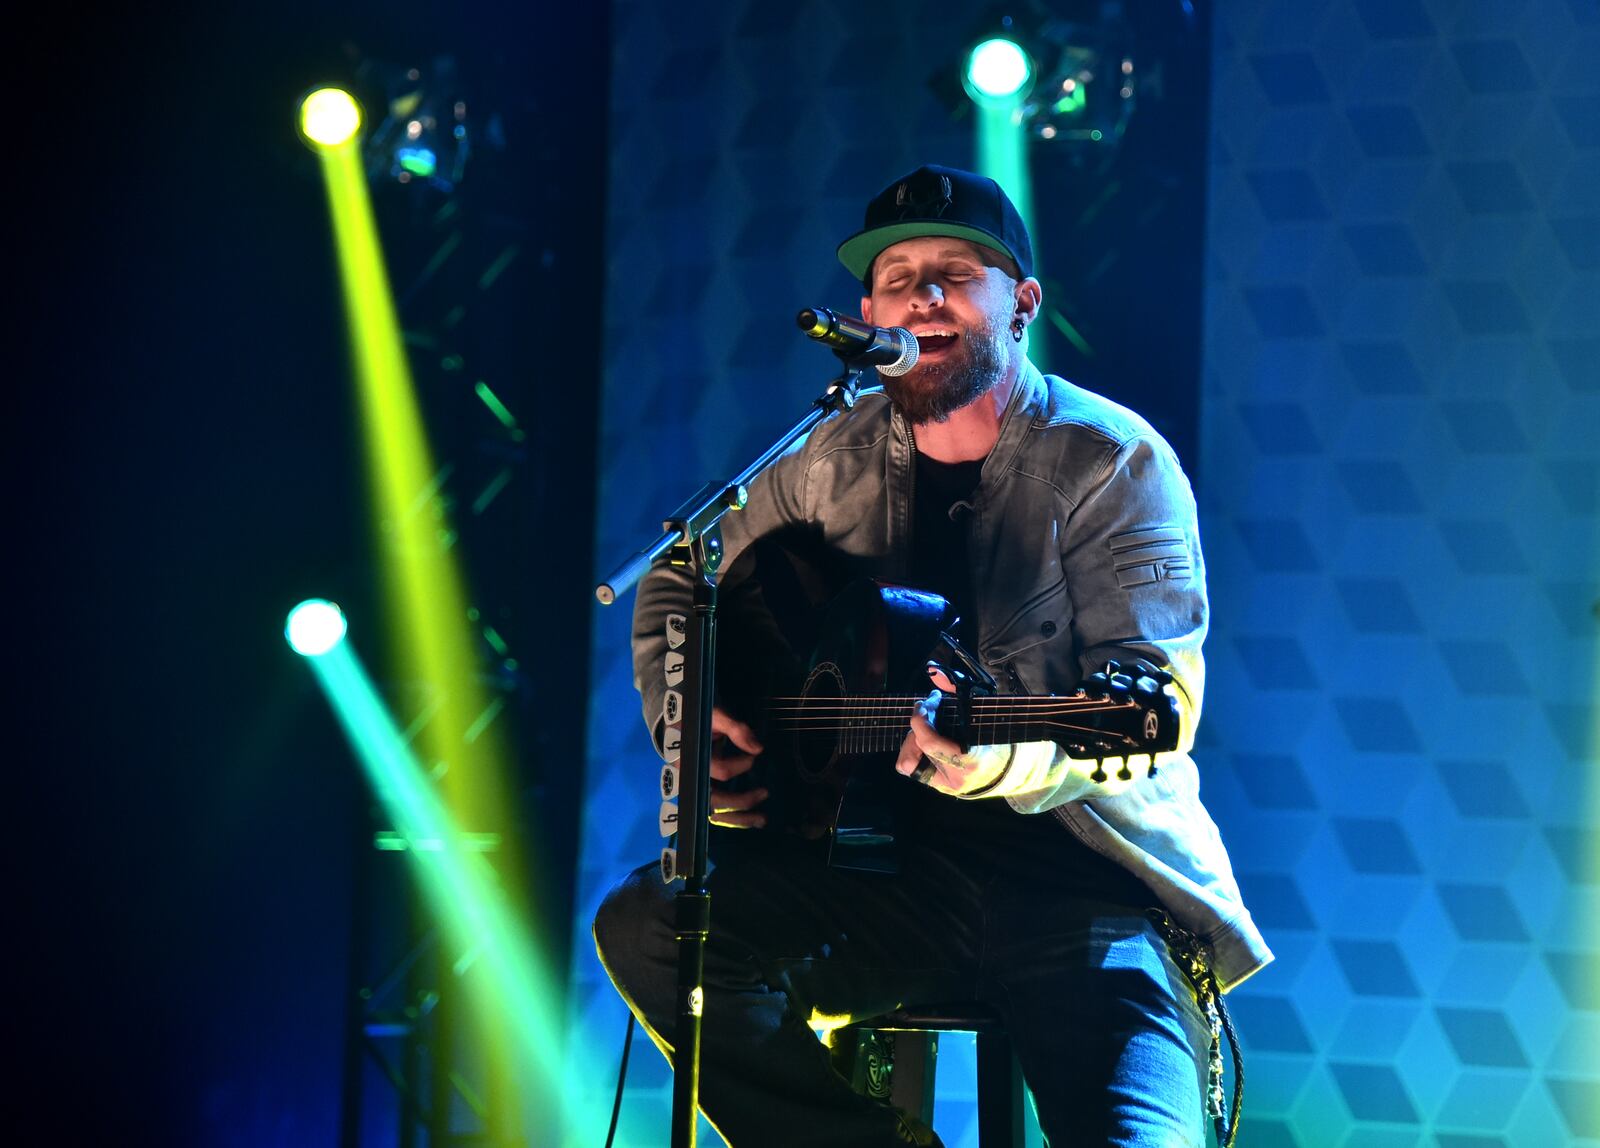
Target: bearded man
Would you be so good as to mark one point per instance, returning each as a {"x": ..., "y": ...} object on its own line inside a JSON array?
[{"x": 1061, "y": 528}]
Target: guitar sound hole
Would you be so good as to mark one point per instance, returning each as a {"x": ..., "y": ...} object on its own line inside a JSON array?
[{"x": 816, "y": 735}]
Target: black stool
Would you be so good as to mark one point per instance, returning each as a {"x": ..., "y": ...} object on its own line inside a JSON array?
[{"x": 892, "y": 1057}]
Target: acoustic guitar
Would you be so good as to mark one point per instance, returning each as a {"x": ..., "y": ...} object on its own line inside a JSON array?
[{"x": 831, "y": 744}]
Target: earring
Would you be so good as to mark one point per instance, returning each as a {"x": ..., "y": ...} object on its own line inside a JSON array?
[{"x": 1017, "y": 327}]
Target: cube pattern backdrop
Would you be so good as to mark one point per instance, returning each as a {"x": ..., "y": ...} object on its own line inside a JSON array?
[
  {"x": 1398, "y": 485},
  {"x": 1400, "y": 424}
]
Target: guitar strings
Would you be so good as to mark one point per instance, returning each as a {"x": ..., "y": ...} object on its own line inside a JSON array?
[
  {"x": 862, "y": 723},
  {"x": 856, "y": 727},
  {"x": 896, "y": 711},
  {"x": 1029, "y": 705},
  {"x": 878, "y": 699}
]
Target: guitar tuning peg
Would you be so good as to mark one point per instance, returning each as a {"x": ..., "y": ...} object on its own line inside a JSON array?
[
  {"x": 1125, "y": 773},
  {"x": 1151, "y": 771},
  {"x": 1148, "y": 684},
  {"x": 1099, "y": 774}
]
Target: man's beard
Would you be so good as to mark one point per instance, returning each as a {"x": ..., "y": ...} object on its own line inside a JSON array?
[{"x": 931, "y": 392}]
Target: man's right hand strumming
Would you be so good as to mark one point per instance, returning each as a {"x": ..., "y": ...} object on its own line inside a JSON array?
[{"x": 734, "y": 747}]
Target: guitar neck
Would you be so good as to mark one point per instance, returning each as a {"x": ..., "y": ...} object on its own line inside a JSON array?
[{"x": 878, "y": 723}]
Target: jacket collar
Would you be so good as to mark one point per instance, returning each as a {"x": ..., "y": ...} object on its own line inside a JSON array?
[{"x": 1027, "y": 401}]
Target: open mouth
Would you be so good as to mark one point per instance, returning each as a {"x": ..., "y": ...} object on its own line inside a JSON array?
[{"x": 933, "y": 342}]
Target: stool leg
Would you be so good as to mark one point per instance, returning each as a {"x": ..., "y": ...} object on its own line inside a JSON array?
[
  {"x": 911, "y": 1082},
  {"x": 889, "y": 1065},
  {"x": 864, "y": 1057},
  {"x": 1000, "y": 1096}
]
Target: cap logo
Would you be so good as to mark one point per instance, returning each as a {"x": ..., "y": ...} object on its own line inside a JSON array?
[{"x": 925, "y": 202}]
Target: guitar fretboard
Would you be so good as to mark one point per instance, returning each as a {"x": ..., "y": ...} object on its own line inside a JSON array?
[{"x": 878, "y": 723}]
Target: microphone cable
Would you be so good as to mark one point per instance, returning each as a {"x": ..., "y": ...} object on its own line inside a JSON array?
[{"x": 622, "y": 1076}]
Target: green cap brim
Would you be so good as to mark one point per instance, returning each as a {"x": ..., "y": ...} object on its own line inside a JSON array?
[{"x": 858, "y": 252}]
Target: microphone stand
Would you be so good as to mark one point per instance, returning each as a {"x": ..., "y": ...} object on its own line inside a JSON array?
[{"x": 690, "y": 538}]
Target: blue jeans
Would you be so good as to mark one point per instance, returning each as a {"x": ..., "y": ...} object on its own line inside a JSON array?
[{"x": 1105, "y": 1027}]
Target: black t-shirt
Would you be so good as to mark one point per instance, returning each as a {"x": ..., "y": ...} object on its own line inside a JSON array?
[{"x": 988, "y": 832}]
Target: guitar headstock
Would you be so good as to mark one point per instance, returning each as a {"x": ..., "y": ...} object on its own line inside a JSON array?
[{"x": 1120, "y": 712}]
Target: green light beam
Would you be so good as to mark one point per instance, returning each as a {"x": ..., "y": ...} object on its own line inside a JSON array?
[
  {"x": 514, "y": 992},
  {"x": 429, "y": 634},
  {"x": 1073, "y": 335},
  {"x": 491, "y": 492},
  {"x": 492, "y": 401},
  {"x": 497, "y": 268},
  {"x": 425, "y": 596},
  {"x": 1003, "y": 157}
]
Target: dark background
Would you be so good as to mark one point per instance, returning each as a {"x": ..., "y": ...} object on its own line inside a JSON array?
[{"x": 186, "y": 468}]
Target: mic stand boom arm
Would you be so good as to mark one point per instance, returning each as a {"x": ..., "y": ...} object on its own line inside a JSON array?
[{"x": 690, "y": 538}]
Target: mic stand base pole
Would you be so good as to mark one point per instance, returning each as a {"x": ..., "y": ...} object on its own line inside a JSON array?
[
  {"x": 693, "y": 926},
  {"x": 693, "y": 905},
  {"x": 690, "y": 538}
]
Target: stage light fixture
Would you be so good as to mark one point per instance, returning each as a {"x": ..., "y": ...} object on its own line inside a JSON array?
[
  {"x": 1089, "y": 92},
  {"x": 314, "y": 627},
  {"x": 998, "y": 72},
  {"x": 420, "y": 132},
  {"x": 329, "y": 117},
  {"x": 1073, "y": 85},
  {"x": 424, "y": 136}
]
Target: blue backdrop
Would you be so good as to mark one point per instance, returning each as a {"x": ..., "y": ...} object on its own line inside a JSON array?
[
  {"x": 1398, "y": 489},
  {"x": 1400, "y": 416}
]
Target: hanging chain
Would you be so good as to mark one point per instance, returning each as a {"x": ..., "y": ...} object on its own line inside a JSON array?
[{"x": 1193, "y": 958}]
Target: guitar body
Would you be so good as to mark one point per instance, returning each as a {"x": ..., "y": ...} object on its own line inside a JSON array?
[{"x": 875, "y": 642}]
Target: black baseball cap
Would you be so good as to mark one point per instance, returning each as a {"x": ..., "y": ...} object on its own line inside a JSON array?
[{"x": 937, "y": 200}]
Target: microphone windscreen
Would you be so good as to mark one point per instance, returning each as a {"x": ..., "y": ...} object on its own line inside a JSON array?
[{"x": 909, "y": 353}]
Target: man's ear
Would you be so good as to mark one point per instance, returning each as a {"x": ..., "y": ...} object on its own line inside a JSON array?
[
  {"x": 1029, "y": 296},
  {"x": 866, "y": 308}
]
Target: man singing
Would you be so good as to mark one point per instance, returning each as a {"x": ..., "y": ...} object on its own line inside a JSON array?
[{"x": 1062, "y": 530}]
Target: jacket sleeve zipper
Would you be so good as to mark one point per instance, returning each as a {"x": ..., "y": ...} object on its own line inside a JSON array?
[{"x": 911, "y": 496}]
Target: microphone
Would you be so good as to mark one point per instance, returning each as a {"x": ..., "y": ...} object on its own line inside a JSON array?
[{"x": 892, "y": 350}]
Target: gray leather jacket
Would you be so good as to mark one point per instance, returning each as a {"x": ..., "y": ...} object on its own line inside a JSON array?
[{"x": 1084, "y": 548}]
